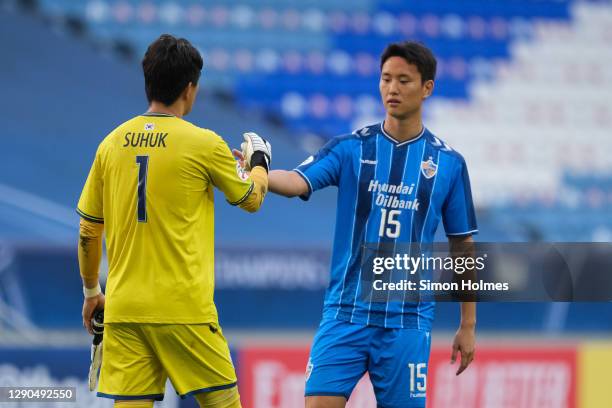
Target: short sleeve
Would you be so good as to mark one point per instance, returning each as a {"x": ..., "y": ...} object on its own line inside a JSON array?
[
  {"x": 323, "y": 169},
  {"x": 227, "y": 175},
  {"x": 458, "y": 214},
  {"x": 91, "y": 202}
]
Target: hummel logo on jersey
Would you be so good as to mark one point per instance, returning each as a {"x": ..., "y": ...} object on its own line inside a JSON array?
[
  {"x": 369, "y": 161},
  {"x": 309, "y": 368},
  {"x": 363, "y": 132},
  {"x": 309, "y": 160},
  {"x": 438, "y": 143},
  {"x": 149, "y": 126}
]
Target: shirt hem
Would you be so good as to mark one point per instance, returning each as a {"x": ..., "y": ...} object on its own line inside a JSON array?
[
  {"x": 458, "y": 234},
  {"x": 161, "y": 320},
  {"x": 410, "y": 321}
]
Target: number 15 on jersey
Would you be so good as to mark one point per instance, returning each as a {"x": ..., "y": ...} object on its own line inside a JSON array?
[{"x": 390, "y": 225}]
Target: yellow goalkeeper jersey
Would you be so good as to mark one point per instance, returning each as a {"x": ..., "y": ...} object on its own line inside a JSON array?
[{"x": 151, "y": 184}]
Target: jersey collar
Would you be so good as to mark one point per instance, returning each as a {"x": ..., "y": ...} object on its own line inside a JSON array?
[
  {"x": 396, "y": 142},
  {"x": 158, "y": 114}
]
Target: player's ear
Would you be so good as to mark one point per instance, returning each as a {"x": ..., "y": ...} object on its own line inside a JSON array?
[
  {"x": 428, "y": 87},
  {"x": 188, "y": 92}
]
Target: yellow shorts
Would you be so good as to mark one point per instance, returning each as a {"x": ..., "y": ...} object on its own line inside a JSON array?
[{"x": 138, "y": 358}]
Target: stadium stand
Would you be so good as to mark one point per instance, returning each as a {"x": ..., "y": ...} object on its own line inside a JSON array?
[
  {"x": 317, "y": 61},
  {"x": 314, "y": 65},
  {"x": 485, "y": 106}
]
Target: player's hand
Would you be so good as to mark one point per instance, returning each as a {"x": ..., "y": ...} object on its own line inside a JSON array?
[
  {"x": 90, "y": 305},
  {"x": 256, "y": 151},
  {"x": 464, "y": 343},
  {"x": 240, "y": 157}
]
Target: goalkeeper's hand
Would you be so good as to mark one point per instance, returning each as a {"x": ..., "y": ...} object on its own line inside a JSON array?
[
  {"x": 256, "y": 151},
  {"x": 90, "y": 305}
]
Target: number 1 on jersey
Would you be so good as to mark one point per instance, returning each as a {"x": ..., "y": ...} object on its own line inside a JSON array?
[{"x": 143, "y": 169}]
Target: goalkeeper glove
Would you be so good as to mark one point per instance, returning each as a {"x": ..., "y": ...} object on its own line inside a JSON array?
[
  {"x": 97, "y": 324},
  {"x": 256, "y": 151}
]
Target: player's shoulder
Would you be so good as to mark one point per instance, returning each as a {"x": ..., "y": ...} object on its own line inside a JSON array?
[
  {"x": 117, "y": 133},
  {"x": 128, "y": 125},
  {"x": 443, "y": 147},
  {"x": 355, "y": 136},
  {"x": 368, "y": 131},
  {"x": 198, "y": 136},
  {"x": 338, "y": 142},
  {"x": 201, "y": 132}
]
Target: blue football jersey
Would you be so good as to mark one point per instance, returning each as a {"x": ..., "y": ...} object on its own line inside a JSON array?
[{"x": 388, "y": 192}]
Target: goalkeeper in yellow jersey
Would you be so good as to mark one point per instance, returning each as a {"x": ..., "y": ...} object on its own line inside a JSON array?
[{"x": 150, "y": 190}]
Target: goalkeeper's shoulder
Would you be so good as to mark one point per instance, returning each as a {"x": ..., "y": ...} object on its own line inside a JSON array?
[
  {"x": 201, "y": 134},
  {"x": 206, "y": 145}
]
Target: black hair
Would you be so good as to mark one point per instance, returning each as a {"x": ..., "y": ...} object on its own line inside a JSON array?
[
  {"x": 169, "y": 65},
  {"x": 414, "y": 53}
]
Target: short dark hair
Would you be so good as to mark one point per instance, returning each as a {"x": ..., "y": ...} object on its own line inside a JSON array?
[
  {"x": 414, "y": 53},
  {"x": 169, "y": 65}
]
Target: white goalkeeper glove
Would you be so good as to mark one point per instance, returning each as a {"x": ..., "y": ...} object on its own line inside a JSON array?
[
  {"x": 97, "y": 325},
  {"x": 256, "y": 151}
]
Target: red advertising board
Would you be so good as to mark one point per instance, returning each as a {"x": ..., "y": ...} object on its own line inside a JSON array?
[
  {"x": 505, "y": 378},
  {"x": 274, "y": 378},
  {"x": 502, "y": 377}
]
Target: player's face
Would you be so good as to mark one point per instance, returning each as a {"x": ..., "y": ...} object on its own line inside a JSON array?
[{"x": 401, "y": 88}]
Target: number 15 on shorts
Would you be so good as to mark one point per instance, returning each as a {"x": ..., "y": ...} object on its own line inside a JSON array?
[{"x": 418, "y": 379}]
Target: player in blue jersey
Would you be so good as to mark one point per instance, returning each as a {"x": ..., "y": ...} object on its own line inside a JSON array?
[{"x": 396, "y": 181}]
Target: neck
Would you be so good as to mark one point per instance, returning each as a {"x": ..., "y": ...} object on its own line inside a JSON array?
[
  {"x": 158, "y": 107},
  {"x": 403, "y": 129}
]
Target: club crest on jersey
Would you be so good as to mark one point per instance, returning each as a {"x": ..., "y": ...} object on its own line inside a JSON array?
[
  {"x": 149, "y": 126},
  {"x": 429, "y": 168},
  {"x": 242, "y": 173}
]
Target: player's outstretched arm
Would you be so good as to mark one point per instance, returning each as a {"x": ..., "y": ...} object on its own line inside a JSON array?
[
  {"x": 257, "y": 153},
  {"x": 287, "y": 183},
  {"x": 241, "y": 188},
  {"x": 90, "y": 254},
  {"x": 282, "y": 182}
]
